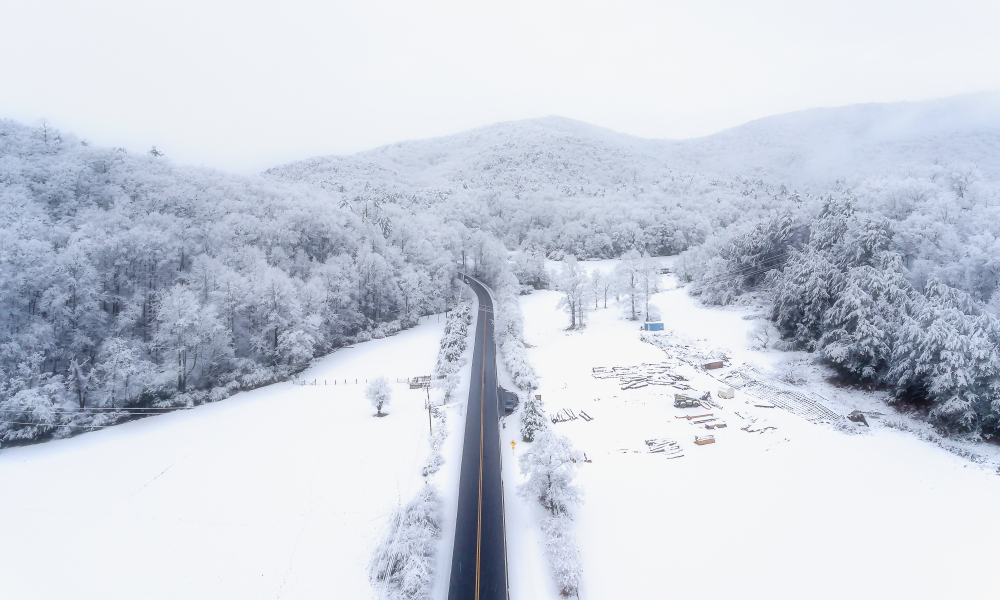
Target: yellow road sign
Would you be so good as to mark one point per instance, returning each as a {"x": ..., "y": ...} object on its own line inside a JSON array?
[{"x": 512, "y": 444}]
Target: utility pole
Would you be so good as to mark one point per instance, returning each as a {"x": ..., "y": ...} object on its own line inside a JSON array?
[{"x": 430, "y": 421}]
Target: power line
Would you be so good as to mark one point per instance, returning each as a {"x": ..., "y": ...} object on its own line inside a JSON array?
[
  {"x": 770, "y": 262},
  {"x": 53, "y": 424},
  {"x": 763, "y": 267},
  {"x": 99, "y": 410}
]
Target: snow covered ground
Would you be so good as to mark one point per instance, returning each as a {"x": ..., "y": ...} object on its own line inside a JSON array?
[
  {"x": 800, "y": 511},
  {"x": 282, "y": 492}
]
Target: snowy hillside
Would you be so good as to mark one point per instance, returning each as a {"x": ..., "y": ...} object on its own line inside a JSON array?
[
  {"x": 566, "y": 186},
  {"x": 809, "y": 149},
  {"x": 813, "y": 148}
]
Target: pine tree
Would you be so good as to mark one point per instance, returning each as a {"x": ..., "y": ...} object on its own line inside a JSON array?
[
  {"x": 532, "y": 419},
  {"x": 805, "y": 290}
]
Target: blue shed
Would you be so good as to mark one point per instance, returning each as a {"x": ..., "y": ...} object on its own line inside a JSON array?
[{"x": 657, "y": 326}]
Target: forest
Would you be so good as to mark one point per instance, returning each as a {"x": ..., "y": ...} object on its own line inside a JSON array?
[{"x": 131, "y": 285}]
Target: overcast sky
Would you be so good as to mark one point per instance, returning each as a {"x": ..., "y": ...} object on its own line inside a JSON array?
[{"x": 244, "y": 85}]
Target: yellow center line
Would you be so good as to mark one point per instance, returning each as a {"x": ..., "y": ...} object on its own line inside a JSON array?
[{"x": 482, "y": 403}]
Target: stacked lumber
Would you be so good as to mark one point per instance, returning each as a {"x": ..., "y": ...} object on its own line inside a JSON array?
[
  {"x": 665, "y": 446},
  {"x": 640, "y": 376}
]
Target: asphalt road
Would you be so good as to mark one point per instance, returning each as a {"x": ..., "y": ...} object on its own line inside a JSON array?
[{"x": 479, "y": 561}]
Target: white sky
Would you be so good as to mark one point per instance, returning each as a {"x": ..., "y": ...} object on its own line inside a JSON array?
[{"x": 246, "y": 84}]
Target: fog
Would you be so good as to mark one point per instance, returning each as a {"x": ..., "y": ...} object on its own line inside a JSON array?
[{"x": 247, "y": 85}]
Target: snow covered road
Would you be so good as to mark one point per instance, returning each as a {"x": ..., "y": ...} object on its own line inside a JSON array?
[{"x": 281, "y": 492}]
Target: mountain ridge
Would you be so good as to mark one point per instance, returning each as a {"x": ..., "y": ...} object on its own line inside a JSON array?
[{"x": 809, "y": 148}]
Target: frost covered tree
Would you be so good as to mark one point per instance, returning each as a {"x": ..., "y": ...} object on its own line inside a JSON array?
[
  {"x": 190, "y": 334},
  {"x": 804, "y": 291},
  {"x": 379, "y": 394},
  {"x": 402, "y": 567},
  {"x": 529, "y": 268},
  {"x": 600, "y": 287},
  {"x": 949, "y": 351},
  {"x": 649, "y": 282},
  {"x": 861, "y": 326},
  {"x": 549, "y": 466},
  {"x": 532, "y": 419},
  {"x": 628, "y": 277},
  {"x": 121, "y": 372},
  {"x": 572, "y": 282},
  {"x": 759, "y": 335},
  {"x": 563, "y": 554},
  {"x": 763, "y": 249}
]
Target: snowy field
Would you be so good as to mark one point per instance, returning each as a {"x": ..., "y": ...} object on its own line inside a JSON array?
[
  {"x": 282, "y": 492},
  {"x": 799, "y": 511}
]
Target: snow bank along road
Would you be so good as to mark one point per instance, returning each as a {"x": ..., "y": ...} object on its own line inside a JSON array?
[{"x": 479, "y": 561}]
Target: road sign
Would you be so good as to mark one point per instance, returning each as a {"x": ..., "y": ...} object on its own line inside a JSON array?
[{"x": 512, "y": 444}]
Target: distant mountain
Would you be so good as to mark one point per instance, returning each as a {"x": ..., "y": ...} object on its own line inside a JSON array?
[
  {"x": 808, "y": 149},
  {"x": 548, "y": 149},
  {"x": 811, "y": 148}
]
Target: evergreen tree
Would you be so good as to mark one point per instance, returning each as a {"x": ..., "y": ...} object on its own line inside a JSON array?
[{"x": 532, "y": 419}]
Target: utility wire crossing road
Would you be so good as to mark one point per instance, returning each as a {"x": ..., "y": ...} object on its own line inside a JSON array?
[{"x": 479, "y": 561}]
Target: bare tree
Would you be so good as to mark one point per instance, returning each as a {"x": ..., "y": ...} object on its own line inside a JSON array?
[
  {"x": 572, "y": 281},
  {"x": 627, "y": 280}
]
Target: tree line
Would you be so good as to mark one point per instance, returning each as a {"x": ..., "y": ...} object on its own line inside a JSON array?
[
  {"x": 129, "y": 284},
  {"x": 888, "y": 302}
]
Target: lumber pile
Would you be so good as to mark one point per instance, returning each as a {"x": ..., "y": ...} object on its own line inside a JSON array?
[
  {"x": 665, "y": 446},
  {"x": 640, "y": 376}
]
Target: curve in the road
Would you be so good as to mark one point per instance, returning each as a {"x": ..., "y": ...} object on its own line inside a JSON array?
[{"x": 479, "y": 560}]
